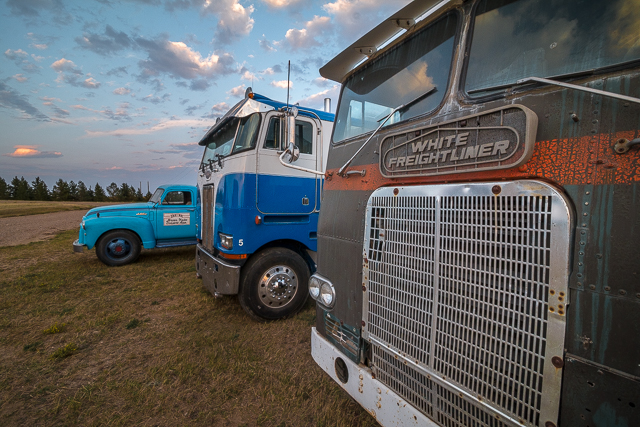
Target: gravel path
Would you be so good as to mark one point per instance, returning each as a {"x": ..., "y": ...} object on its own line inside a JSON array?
[{"x": 19, "y": 230}]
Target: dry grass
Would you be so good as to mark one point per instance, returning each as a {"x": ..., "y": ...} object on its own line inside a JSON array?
[
  {"x": 26, "y": 207},
  {"x": 146, "y": 344}
]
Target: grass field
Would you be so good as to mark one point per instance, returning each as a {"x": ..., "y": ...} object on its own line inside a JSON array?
[
  {"x": 27, "y": 207},
  {"x": 146, "y": 344}
]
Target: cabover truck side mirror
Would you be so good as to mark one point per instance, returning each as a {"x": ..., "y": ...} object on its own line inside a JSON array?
[{"x": 294, "y": 151}]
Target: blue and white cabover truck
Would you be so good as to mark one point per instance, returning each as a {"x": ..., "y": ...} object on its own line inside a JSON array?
[
  {"x": 260, "y": 181},
  {"x": 119, "y": 231}
]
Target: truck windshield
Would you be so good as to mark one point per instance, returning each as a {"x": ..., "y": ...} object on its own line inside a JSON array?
[
  {"x": 156, "y": 195},
  {"x": 414, "y": 67},
  {"x": 236, "y": 135},
  {"x": 546, "y": 38}
]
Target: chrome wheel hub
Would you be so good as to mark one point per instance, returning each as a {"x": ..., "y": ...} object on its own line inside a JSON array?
[{"x": 278, "y": 286}]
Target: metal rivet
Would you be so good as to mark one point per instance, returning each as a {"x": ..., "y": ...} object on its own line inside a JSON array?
[
  {"x": 587, "y": 193},
  {"x": 395, "y": 191},
  {"x": 590, "y": 287},
  {"x": 607, "y": 288},
  {"x": 557, "y": 361},
  {"x": 599, "y": 256},
  {"x": 496, "y": 189},
  {"x": 622, "y": 292}
]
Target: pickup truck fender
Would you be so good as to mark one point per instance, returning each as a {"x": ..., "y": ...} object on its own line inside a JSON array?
[{"x": 96, "y": 227}]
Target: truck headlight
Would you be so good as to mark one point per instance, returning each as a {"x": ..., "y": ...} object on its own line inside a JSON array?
[
  {"x": 226, "y": 241},
  {"x": 322, "y": 291}
]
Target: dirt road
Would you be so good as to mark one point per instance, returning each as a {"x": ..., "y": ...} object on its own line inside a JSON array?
[{"x": 20, "y": 230}]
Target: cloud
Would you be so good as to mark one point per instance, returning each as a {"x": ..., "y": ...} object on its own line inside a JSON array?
[
  {"x": 20, "y": 78},
  {"x": 71, "y": 74},
  {"x": 32, "y": 8},
  {"x": 282, "y": 84},
  {"x": 266, "y": 45},
  {"x": 105, "y": 44},
  {"x": 280, "y": 4},
  {"x": 238, "y": 91},
  {"x": 155, "y": 99},
  {"x": 353, "y": 18},
  {"x": 317, "y": 99},
  {"x": 23, "y": 60},
  {"x": 162, "y": 126},
  {"x": 122, "y": 91},
  {"x": 32, "y": 152},
  {"x": 306, "y": 37},
  {"x": 11, "y": 99},
  {"x": 118, "y": 72},
  {"x": 179, "y": 61},
  {"x": 322, "y": 82},
  {"x": 57, "y": 111},
  {"x": 66, "y": 66},
  {"x": 234, "y": 20}
]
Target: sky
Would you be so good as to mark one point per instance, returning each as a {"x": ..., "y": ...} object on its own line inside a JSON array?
[{"x": 105, "y": 91}]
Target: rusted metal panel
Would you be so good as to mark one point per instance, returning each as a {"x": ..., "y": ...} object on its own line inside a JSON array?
[{"x": 595, "y": 396}]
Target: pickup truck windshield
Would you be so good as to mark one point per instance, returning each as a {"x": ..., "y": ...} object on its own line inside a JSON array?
[
  {"x": 410, "y": 69},
  {"x": 547, "y": 38},
  {"x": 156, "y": 195},
  {"x": 236, "y": 135}
]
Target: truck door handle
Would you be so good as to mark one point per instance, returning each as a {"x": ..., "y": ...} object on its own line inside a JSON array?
[{"x": 191, "y": 209}]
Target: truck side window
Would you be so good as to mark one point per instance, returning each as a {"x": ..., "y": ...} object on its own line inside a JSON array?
[
  {"x": 273, "y": 134},
  {"x": 304, "y": 137},
  {"x": 177, "y": 198}
]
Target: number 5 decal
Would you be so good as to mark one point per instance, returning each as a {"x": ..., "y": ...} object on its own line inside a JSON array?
[{"x": 240, "y": 242}]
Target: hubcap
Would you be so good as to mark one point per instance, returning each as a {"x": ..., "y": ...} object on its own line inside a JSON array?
[
  {"x": 118, "y": 248},
  {"x": 278, "y": 286}
]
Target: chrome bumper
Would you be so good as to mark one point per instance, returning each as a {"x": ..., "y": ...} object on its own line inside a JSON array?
[
  {"x": 77, "y": 246},
  {"x": 217, "y": 276},
  {"x": 382, "y": 403}
]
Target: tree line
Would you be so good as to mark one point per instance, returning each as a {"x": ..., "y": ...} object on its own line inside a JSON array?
[{"x": 20, "y": 189}]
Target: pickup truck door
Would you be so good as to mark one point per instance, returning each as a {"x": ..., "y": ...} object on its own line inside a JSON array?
[
  {"x": 175, "y": 216},
  {"x": 282, "y": 190}
]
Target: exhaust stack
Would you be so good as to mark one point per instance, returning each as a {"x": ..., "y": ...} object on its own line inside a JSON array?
[{"x": 327, "y": 105}]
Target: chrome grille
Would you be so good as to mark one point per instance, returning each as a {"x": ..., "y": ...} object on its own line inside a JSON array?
[
  {"x": 464, "y": 285},
  {"x": 208, "y": 209}
]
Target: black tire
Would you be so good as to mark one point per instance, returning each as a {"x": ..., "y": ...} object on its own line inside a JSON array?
[
  {"x": 118, "y": 247},
  {"x": 274, "y": 284}
]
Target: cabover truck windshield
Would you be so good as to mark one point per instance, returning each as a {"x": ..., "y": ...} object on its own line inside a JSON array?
[
  {"x": 260, "y": 204},
  {"x": 477, "y": 244}
]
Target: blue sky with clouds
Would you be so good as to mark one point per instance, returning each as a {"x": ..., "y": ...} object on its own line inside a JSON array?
[{"x": 121, "y": 91}]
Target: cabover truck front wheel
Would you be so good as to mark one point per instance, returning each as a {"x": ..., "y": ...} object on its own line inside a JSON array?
[
  {"x": 274, "y": 284},
  {"x": 118, "y": 247}
]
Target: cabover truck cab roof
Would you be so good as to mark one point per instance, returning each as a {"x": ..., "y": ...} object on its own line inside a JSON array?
[
  {"x": 477, "y": 261},
  {"x": 260, "y": 204},
  {"x": 119, "y": 231}
]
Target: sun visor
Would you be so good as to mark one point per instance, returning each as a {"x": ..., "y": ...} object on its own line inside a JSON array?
[{"x": 343, "y": 63}]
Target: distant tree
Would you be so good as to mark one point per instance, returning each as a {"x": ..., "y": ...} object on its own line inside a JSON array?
[
  {"x": 73, "y": 190},
  {"x": 83, "y": 192},
  {"x": 125, "y": 192},
  {"x": 20, "y": 189},
  {"x": 98, "y": 194},
  {"x": 139, "y": 196},
  {"x": 40, "y": 190},
  {"x": 4, "y": 190},
  {"x": 113, "y": 191},
  {"x": 61, "y": 191},
  {"x": 90, "y": 195},
  {"x": 148, "y": 195}
]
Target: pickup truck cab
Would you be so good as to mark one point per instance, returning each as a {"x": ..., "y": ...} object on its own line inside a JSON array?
[{"x": 118, "y": 232}]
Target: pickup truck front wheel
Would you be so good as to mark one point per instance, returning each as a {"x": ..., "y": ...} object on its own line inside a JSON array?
[
  {"x": 274, "y": 284},
  {"x": 118, "y": 247}
]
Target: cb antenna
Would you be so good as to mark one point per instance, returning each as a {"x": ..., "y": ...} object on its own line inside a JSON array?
[{"x": 288, "y": 80}]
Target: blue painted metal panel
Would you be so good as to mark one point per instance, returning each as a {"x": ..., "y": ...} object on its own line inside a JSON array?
[{"x": 235, "y": 214}]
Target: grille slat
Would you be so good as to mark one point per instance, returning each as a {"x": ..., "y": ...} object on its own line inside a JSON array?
[{"x": 458, "y": 284}]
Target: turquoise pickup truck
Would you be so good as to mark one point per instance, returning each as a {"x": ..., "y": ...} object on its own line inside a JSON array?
[{"x": 118, "y": 232}]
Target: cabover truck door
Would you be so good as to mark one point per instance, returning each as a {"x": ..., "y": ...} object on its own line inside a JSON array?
[{"x": 282, "y": 190}]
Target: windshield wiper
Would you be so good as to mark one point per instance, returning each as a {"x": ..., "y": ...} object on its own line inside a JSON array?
[
  {"x": 581, "y": 88},
  {"x": 384, "y": 120}
]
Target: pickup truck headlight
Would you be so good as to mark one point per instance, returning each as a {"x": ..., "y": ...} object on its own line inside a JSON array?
[
  {"x": 322, "y": 291},
  {"x": 226, "y": 241}
]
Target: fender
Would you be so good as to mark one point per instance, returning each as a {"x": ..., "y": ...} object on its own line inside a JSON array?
[{"x": 96, "y": 227}]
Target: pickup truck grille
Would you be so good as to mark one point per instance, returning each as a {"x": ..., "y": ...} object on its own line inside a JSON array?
[
  {"x": 208, "y": 209},
  {"x": 465, "y": 301}
]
